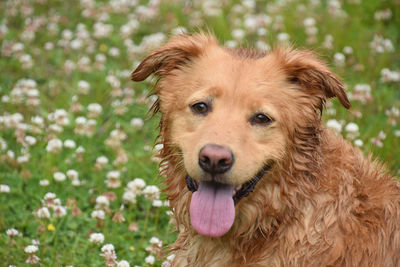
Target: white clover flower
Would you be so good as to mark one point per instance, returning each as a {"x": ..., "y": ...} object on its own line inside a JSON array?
[
  {"x": 351, "y": 127},
  {"x": 12, "y": 232},
  {"x": 77, "y": 182},
  {"x": 49, "y": 46},
  {"x": 44, "y": 182},
  {"x": 72, "y": 174},
  {"x": 156, "y": 241},
  {"x": 4, "y": 188},
  {"x": 32, "y": 259},
  {"x": 152, "y": 41},
  {"x": 102, "y": 30},
  {"x": 26, "y": 61},
  {"x": 211, "y": 8},
  {"x": 339, "y": 59},
  {"x": 55, "y": 128},
  {"x": 83, "y": 87},
  {"x": 80, "y": 150},
  {"x": 381, "y": 45},
  {"x": 362, "y": 88},
  {"x": 54, "y": 146},
  {"x": 136, "y": 186},
  {"x": 179, "y": 30},
  {"x": 352, "y": 130},
  {"x": 49, "y": 196},
  {"x": 283, "y": 37},
  {"x": 114, "y": 52},
  {"x": 157, "y": 203},
  {"x": 23, "y": 158},
  {"x": 80, "y": 120},
  {"x": 358, "y": 142},
  {"x": 98, "y": 214},
  {"x": 59, "y": 176},
  {"x": 390, "y": 76},
  {"x": 129, "y": 197},
  {"x": 10, "y": 154},
  {"x": 137, "y": 122},
  {"x": 113, "y": 81},
  {"x": 151, "y": 192},
  {"x": 129, "y": 28},
  {"x": 94, "y": 110},
  {"x": 102, "y": 160},
  {"x": 30, "y": 140},
  {"x": 123, "y": 263},
  {"x": 57, "y": 202},
  {"x": 67, "y": 34},
  {"x": 309, "y": 22},
  {"x": 383, "y": 14},
  {"x": 109, "y": 254},
  {"x": 113, "y": 179},
  {"x": 31, "y": 249},
  {"x": 69, "y": 65},
  {"x": 3, "y": 143},
  {"x": 348, "y": 50},
  {"x": 60, "y": 116},
  {"x": 76, "y": 44},
  {"x": 251, "y": 23},
  {"x": 97, "y": 238},
  {"x": 150, "y": 259},
  {"x": 43, "y": 213},
  {"x": 334, "y": 125},
  {"x": 238, "y": 34},
  {"x": 382, "y": 135},
  {"x": 108, "y": 248},
  {"x": 69, "y": 143},
  {"x": 59, "y": 211},
  {"x": 102, "y": 201},
  {"x": 113, "y": 174}
]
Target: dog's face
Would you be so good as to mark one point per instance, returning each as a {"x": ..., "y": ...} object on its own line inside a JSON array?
[
  {"x": 226, "y": 119},
  {"x": 233, "y": 114}
]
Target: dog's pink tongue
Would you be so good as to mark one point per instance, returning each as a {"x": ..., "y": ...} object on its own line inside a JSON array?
[{"x": 212, "y": 210}]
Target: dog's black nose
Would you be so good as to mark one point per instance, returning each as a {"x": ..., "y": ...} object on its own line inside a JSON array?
[{"x": 215, "y": 159}]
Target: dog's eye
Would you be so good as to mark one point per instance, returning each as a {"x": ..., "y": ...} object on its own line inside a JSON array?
[
  {"x": 200, "y": 108},
  {"x": 260, "y": 119}
]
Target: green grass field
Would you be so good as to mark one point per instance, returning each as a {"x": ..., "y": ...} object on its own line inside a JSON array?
[{"x": 75, "y": 133}]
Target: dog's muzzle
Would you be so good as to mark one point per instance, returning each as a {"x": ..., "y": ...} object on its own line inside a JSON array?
[{"x": 244, "y": 190}]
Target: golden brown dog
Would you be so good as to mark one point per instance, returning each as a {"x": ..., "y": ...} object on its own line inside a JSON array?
[{"x": 253, "y": 177}]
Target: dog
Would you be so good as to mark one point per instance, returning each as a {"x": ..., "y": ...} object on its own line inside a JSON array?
[{"x": 252, "y": 175}]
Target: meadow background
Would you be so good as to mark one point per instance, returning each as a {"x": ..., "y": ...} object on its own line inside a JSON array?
[{"x": 79, "y": 184}]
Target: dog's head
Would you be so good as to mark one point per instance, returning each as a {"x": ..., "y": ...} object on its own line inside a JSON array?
[{"x": 230, "y": 115}]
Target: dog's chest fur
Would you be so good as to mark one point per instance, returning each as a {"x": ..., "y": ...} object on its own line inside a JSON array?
[{"x": 340, "y": 224}]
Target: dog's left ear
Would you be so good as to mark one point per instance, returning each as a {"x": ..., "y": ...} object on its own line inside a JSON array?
[
  {"x": 177, "y": 52},
  {"x": 305, "y": 69}
]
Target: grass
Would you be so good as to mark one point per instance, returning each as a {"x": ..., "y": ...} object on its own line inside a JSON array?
[{"x": 64, "y": 241}]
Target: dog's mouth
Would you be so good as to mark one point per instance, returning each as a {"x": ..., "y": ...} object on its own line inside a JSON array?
[{"x": 212, "y": 208}]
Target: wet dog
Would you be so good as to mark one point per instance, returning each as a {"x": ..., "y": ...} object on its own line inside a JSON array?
[{"x": 252, "y": 175}]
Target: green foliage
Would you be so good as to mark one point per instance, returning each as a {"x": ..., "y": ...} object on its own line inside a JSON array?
[{"x": 58, "y": 44}]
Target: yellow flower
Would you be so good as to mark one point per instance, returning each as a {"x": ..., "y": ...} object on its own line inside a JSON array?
[
  {"x": 131, "y": 248},
  {"x": 51, "y": 227},
  {"x": 103, "y": 48}
]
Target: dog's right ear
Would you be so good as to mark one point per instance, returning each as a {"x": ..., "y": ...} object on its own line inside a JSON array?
[{"x": 174, "y": 54}]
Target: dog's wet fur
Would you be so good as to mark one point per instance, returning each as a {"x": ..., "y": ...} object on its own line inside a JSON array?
[{"x": 320, "y": 203}]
